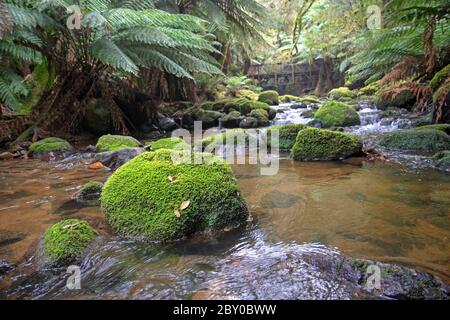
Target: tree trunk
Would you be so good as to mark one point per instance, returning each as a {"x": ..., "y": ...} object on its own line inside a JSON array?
[{"x": 431, "y": 57}]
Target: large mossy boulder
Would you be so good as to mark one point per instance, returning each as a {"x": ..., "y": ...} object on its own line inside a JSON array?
[
  {"x": 401, "y": 98},
  {"x": 248, "y": 94},
  {"x": 342, "y": 92},
  {"x": 51, "y": 145},
  {"x": 231, "y": 120},
  {"x": 287, "y": 135},
  {"x": 111, "y": 142},
  {"x": 153, "y": 198},
  {"x": 314, "y": 144},
  {"x": 208, "y": 118},
  {"x": 235, "y": 136},
  {"x": 425, "y": 141},
  {"x": 272, "y": 113},
  {"x": 66, "y": 241},
  {"x": 270, "y": 97},
  {"x": 337, "y": 114},
  {"x": 261, "y": 115},
  {"x": 289, "y": 98},
  {"x": 168, "y": 143}
]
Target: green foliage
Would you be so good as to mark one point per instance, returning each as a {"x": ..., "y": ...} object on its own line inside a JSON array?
[
  {"x": 443, "y": 91},
  {"x": 425, "y": 141},
  {"x": 287, "y": 135},
  {"x": 261, "y": 115},
  {"x": 270, "y": 97},
  {"x": 66, "y": 241},
  {"x": 153, "y": 198},
  {"x": 169, "y": 143},
  {"x": 48, "y": 145},
  {"x": 337, "y": 114},
  {"x": 316, "y": 144},
  {"x": 371, "y": 89},
  {"x": 442, "y": 159},
  {"x": 114, "y": 142},
  {"x": 440, "y": 77}
]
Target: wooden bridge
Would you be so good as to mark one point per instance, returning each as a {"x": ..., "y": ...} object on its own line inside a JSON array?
[{"x": 290, "y": 78}]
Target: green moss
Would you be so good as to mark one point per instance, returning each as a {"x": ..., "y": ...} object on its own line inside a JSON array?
[
  {"x": 289, "y": 98},
  {"x": 261, "y": 115},
  {"x": 442, "y": 159},
  {"x": 309, "y": 113},
  {"x": 92, "y": 186},
  {"x": 337, "y": 114},
  {"x": 441, "y": 127},
  {"x": 144, "y": 197},
  {"x": 65, "y": 241},
  {"x": 425, "y": 141},
  {"x": 309, "y": 99},
  {"x": 231, "y": 120},
  {"x": 342, "y": 92},
  {"x": 316, "y": 144},
  {"x": 402, "y": 99},
  {"x": 270, "y": 97},
  {"x": 261, "y": 105},
  {"x": 248, "y": 94},
  {"x": 370, "y": 89},
  {"x": 234, "y": 135},
  {"x": 440, "y": 77},
  {"x": 51, "y": 144},
  {"x": 243, "y": 105},
  {"x": 287, "y": 134},
  {"x": 112, "y": 142},
  {"x": 443, "y": 90},
  {"x": 207, "y": 117},
  {"x": 168, "y": 143}
]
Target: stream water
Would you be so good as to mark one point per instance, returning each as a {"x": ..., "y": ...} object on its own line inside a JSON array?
[{"x": 381, "y": 211}]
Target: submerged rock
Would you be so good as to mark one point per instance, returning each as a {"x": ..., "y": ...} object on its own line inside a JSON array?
[
  {"x": 115, "y": 142},
  {"x": 89, "y": 194},
  {"x": 115, "y": 159},
  {"x": 153, "y": 198},
  {"x": 316, "y": 144},
  {"x": 66, "y": 241},
  {"x": 50, "y": 147}
]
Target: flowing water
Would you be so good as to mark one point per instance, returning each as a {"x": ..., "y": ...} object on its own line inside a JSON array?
[{"x": 380, "y": 211}]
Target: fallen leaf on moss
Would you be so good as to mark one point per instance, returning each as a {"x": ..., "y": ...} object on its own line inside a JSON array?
[
  {"x": 177, "y": 214},
  {"x": 171, "y": 178},
  {"x": 184, "y": 205}
]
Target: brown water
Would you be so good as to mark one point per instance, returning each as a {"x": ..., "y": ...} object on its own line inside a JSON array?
[{"x": 376, "y": 211}]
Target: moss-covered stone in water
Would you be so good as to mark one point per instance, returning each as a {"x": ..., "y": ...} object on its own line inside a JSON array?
[
  {"x": 426, "y": 141},
  {"x": 261, "y": 115},
  {"x": 440, "y": 77},
  {"x": 441, "y": 127},
  {"x": 337, "y": 114},
  {"x": 248, "y": 94},
  {"x": 442, "y": 159},
  {"x": 402, "y": 99},
  {"x": 261, "y": 105},
  {"x": 287, "y": 135},
  {"x": 317, "y": 144},
  {"x": 114, "y": 142},
  {"x": 52, "y": 144},
  {"x": 207, "y": 117},
  {"x": 270, "y": 97},
  {"x": 342, "y": 92},
  {"x": 153, "y": 198},
  {"x": 89, "y": 193},
  {"x": 309, "y": 99},
  {"x": 231, "y": 120},
  {"x": 234, "y": 135},
  {"x": 168, "y": 143},
  {"x": 289, "y": 98},
  {"x": 65, "y": 241}
]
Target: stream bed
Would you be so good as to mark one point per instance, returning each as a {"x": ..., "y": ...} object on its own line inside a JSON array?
[{"x": 303, "y": 218}]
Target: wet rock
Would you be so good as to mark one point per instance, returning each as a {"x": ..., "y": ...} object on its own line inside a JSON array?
[
  {"x": 89, "y": 194},
  {"x": 50, "y": 148},
  {"x": 231, "y": 120},
  {"x": 6, "y": 156},
  {"x": 5, "y": 267},
  {"x": 248, "y": 123},
  {"x": 115, "y": 159},
  {"x": 299, "y": 105},
  {"x": 90, "y": 149},
  {"x": 166, "y": 123}
]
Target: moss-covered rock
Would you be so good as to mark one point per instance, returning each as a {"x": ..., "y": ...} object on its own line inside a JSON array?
[
  {"x": 153, "y": 198},
  {"x": 442, "y": 93},
  {"x": 309, "y": 113},
  {"x": 321, "y": 145},
  {"x": 231, "y": 120},
  {"x": 168, "y": 143},
  {"x": 242, "y": 105},
  {"x": 234, "y": 135},
  {"x": 309, "y": 99},
  {"x": 441, "y": 127},
  {"x": 399, "y": 99},
  {"x": 248, "y": 123},
  {"x": 66, "y": 241},
  {"x": 89, "y": 194},
  {"x": 287, "y": 135},
  {"x": 114, "y": 142},
  {"x": 270, "y": 97},
  {"x": 442, "y": 159},
  {"x": 289, "y": 98},
  {"x": 261, "y": 105},
  {"x": 425, "y": 141},
  {"x": 50, "y": 145},
  {"x": 371, "y": 89},
  {"x": 342, "y": 92},
  {"x": 261, "y": 115},
  {"x": 337, "y": 114},
  {"x": 208, "y": 118},
  {"x": 248, "y": 94},
  {"x": 440, "y": 77}
]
